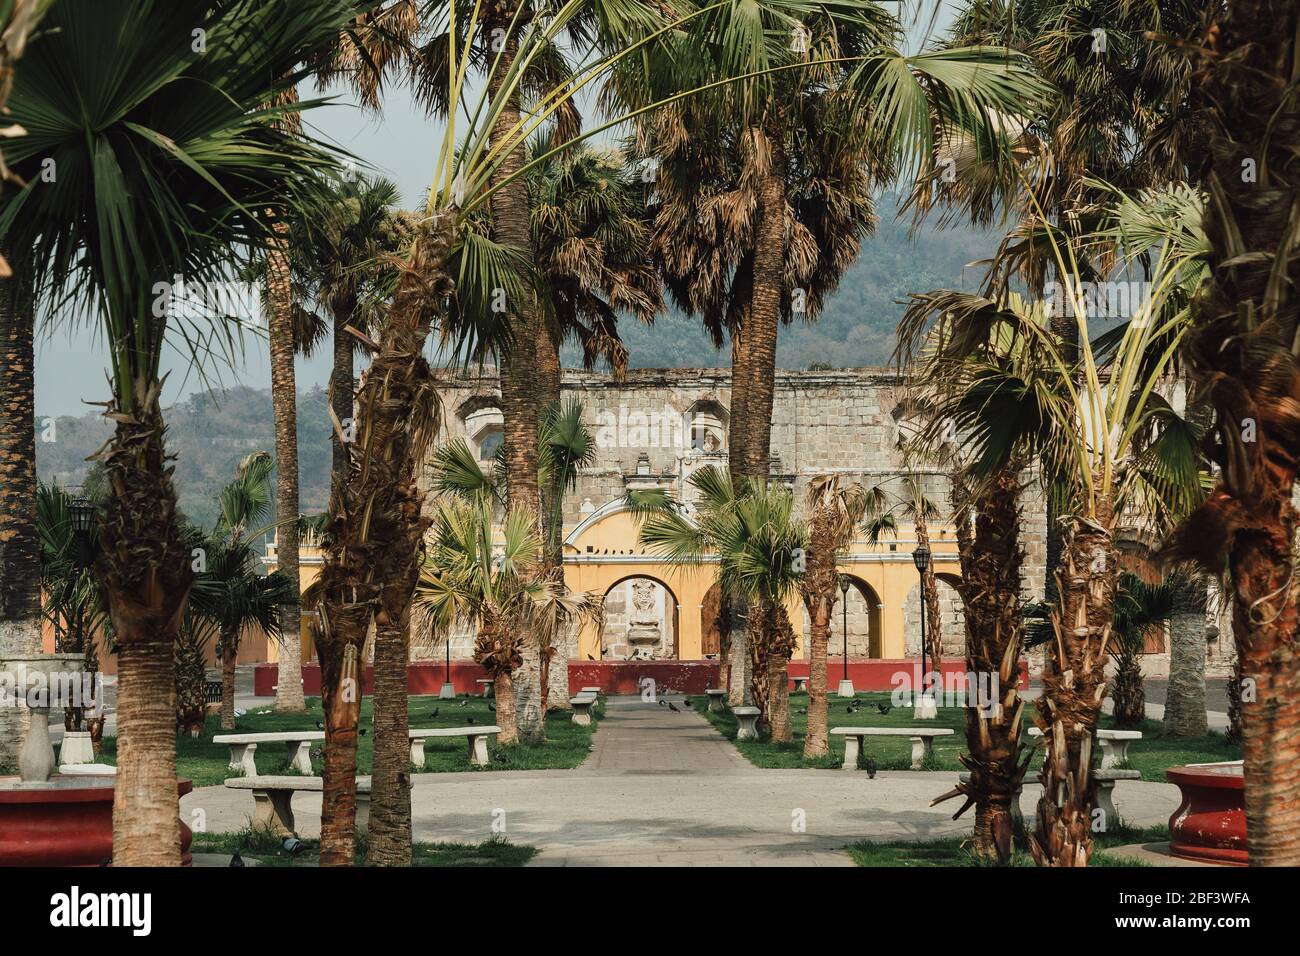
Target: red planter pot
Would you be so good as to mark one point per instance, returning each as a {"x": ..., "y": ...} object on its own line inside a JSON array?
[
  {"x": 66, "y": 825},
  {"x": 1210, "y": 823}
]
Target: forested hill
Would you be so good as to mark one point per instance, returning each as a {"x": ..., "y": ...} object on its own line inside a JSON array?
[
  {"x": 857, "y": 326},
  {"x": 209, "y": 434}
]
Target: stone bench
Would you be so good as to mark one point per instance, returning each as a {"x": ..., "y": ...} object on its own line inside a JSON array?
[
  {"x": 582, "y": 705},
  {"x": 592, "y": 690},
  {"x": 747, "y": 718},
  {"x": 1105, "y": 794},
  {"x": 489, "y": 686},
  {"x": 244, "y": 746},
  {"x": 273, "y": 800},
  {"x": 1112, "y": 743},
  {"x": 800, "y": 684},
  {"x": 717, "y": 699},
  {"x": 922, "y": 741},
  {"x": 476, "y": 739}
]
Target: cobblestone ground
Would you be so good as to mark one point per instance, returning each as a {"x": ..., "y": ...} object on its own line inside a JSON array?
[{"x": 663, "y": 788}]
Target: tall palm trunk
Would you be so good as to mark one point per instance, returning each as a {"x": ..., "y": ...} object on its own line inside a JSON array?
[
  {"x": 816, "y": 742},
  {"x": 764, "y": 316},
  {"x": 1185, "y": 701},
  {"x": 144, "y": 569},
  {"x": 284, "y": 409},
  {"x": 779, "y": 636},
  {"x": 991, "y": 558},
  {"x": 1074, "y": 686},
  {"x": 376, "y": 525},
  {"x": 229, "y": 655},
  {"x": 507, "y": 719},
  {"x": 342, "y": 382},
  {"x": 1247, "y": 318},
  {"x": 520, "y": 365},
  {"x": 20, "y": 563},
  {"x": 389, "y": 842}
]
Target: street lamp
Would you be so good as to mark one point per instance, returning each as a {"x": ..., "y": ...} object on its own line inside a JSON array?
[
  {"x": 448, "y": 689},
  {"x": 846, "y": 685},
  {"x": 925, "y": 706}
]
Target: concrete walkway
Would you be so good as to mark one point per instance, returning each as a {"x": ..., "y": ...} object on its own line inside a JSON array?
[{"x": 666, "y": 789}]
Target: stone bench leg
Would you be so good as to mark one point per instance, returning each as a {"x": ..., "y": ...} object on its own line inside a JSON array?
[
  {"x": 478, "y": 751},
  {"x": 1113, "y": 753},
  {"x": 273, "y": 810},
  {"x": 241, "y": 759},
  {"x": 922, "y": 747},
  {"x": 363, "y": 812},
  {"x": 717, "y": 703},
  {"x": 581, "y": 715},
  {"x": 1105, "y": 802},
  {"x": 748, "y": 729},
  {"x": 417, "y": 754},
  {"x": 852, "y": 747},
  {"x": 300, "y": 756}
]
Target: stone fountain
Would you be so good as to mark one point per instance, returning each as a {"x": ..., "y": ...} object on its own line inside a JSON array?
[{"x": 48, "y": 818}]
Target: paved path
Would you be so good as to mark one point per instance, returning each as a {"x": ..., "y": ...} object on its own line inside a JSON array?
[{"x": 666, "y": 789}]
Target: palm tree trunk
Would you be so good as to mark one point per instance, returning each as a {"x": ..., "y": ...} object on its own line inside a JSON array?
[
  {"x": 229, "y": 654},
  {"x": 1073, "y": 690},
  {"x": 342, "y": 383},
  {"x": 144, "y": 569},
  {"x": 764, "y": 316},
  {"x": 520, "y": 365},
  {"x": 376, "y": 525},
  {"x": 389, "y": 842},
  {"x": 991, "y": 558},
  {"x": 816, "y": 742},
  {"x": 1129, "y": 699},
  {"x": 507, "y": 720},
  {"x": 284, "y": 409},
  {"x": 20, "y": 561}
]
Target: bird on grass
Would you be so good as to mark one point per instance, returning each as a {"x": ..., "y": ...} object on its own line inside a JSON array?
[
  {"x": 802, "y": 710},
  {"x": 362, "y": 732},
  {"x": 435, "y": 712},
  {"x": 319, "y": 725},
  {"x": 491, "y": 708},
  {"x": 499, "y": 757},
  {"x": 871, "y": 769},
  {"x": 317, "y": 753},
  {"x": 237, "y": 860},
  {"x": 463, "y": 703},
  {"x": 673, "y": 708},
  {"x": 883, "y": 708},
  {"x": 469, "y": 720}
]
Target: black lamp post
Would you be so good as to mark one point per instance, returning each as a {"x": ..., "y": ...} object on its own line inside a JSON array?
[
  {"x": 921, "y": 558},
  {"x": 846, "y": 685}
]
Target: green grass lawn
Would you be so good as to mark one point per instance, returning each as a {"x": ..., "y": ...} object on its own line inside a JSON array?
[
  {"x": 204, "y": 762},
  {"x": 1151, "y": 755},
  {"x": 953, "y": 851},
  {"x": 267, "y": 849}
]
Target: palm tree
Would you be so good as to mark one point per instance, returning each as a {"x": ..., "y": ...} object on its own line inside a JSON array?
[
  {"x": 834, "y": 508},
  {"x": 1240, "y": 356},
  {"x": 1185, "y": 714},
  {"x": 750, "y": 528},
  {"x": 1103, "y": 433},
  {"x": 342, "y": 260},
  {"x": 1139, "y": 609},
  {"x": 160, "y": 170}
]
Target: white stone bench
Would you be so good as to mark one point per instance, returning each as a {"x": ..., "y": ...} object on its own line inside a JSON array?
[
  {"x": 717, "y": 699},
  {"x": 489, "y": 686},
  {"x": 1112, "y": 743},
  {"x": 591, "y": 690},
  {"x": 922, "y": 741},
  {"x": 582, "y": 705},
  {"x": 273, "y": 800},
  {"x": 748, "y": 722},
  {"x": 244, "y": 746},
  {"x": 476, "y": 738},
  {"x": 800, "y": 684}
]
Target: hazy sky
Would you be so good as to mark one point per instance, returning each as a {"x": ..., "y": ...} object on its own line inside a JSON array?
[{"x": 399, "y": 144}]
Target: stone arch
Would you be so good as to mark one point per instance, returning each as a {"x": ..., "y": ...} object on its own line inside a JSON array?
[
  {"x": 641, "y": 618},
  {"x": 484, "y": 425},
  {"x": 952, "y": 616},
  {"x": 864, "y": 623}
]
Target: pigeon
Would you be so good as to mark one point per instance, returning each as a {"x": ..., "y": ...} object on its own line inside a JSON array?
[
  {"x": 883, "y": 708},
  {"x": 469, "y": 720},
  {"x": 802, "y": 710},
  {"x": 662, "y": 702},
  {"x": 317, "y": 753},
  {"x": 491, "y": 708},
  {"x": 435, "y": 712},
  {"x": 871, "y": 769},
  {"x": 291, "y": 845},
  {"x": 319, "y": 725},
  {"x": 687, "y": 704},
  {"x": 237, "y": 860},
  {"x": 463, "y": 703},
  {"x": 673, "y": 708},
  {"x": 361, "y": 732},
  {"x": 499, "y": 757}
]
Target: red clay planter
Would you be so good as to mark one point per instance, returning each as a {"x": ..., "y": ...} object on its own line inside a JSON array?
[
  {"x": 1210, "y": 824},
  {"x": 67, "y": 824}
]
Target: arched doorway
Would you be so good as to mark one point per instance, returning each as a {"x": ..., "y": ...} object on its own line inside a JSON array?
[
  {"x": 863, "y": 619},
  {"x": 640, "y": 620},
  {"x": 952, "y": 618},
  {"x": 710, "y": 623}
]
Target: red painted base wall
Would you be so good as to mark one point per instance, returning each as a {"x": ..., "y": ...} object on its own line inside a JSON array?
[{"x": 621, "y": 677}]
